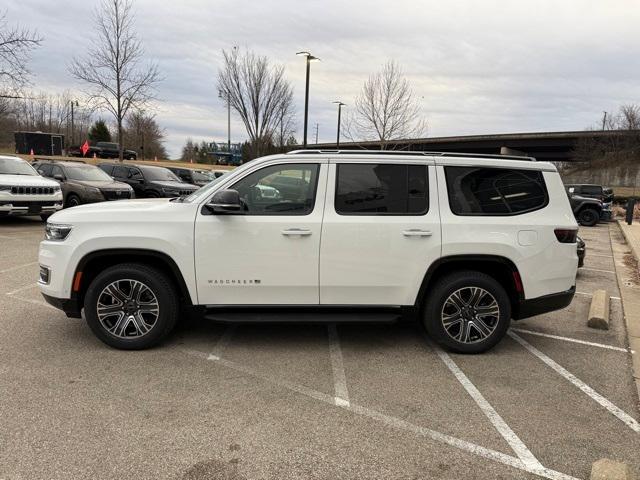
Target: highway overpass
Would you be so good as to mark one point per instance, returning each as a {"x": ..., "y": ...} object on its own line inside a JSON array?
[{"x": 548, "y": 146}]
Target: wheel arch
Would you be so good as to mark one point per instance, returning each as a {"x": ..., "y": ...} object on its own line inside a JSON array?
[
  {"x": 94, "y": 262},
  {"x": 496, "y": 266}
]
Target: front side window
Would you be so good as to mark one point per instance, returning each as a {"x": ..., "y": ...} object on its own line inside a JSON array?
[
  {"x": 495, "y": 191},
  {"x": 279, "y": 190},
  {"x": 56, "y": 170},
  {"x": 135, "y": 174},
  {"x": 45, "y": 170},
  {"x": 381, "y": 189},
  {"x": 120, "y": 172}
]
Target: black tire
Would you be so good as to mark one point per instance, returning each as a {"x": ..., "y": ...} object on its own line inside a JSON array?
[
  {"x": 164, "y": 295},
  {"x": 153, "y": 194},
  {"x": 588, "y": 217},
  {"x": 438, "y": 302},
  {"x": 72, "y": 200}
]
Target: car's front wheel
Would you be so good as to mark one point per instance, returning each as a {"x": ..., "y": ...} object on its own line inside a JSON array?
[
  {"x": 467, "y": 312},
  {"x": 131, "y": 306}
]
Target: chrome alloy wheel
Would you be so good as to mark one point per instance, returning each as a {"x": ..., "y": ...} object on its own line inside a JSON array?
[
  {"x": 127, "y": 308},
  {"x": 470, "y": 315}
]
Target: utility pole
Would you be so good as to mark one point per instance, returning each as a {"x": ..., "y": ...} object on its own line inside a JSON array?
[
  {"x": 604, "y": 120},
  {"x": 73, "y": 102},
  {"x": 317, "y": 125},
  {"x": 340, "y": 105}
]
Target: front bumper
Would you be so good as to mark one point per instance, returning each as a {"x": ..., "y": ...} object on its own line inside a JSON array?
[
  {"x": 69, "y": 306},
  {"x": 30, "y": 207},
  {"x": 546, "y": 303}
]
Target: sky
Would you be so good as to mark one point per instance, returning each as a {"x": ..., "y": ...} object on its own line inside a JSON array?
[{"x": 475, "y": 67}]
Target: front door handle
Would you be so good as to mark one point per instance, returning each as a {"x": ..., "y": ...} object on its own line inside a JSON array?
[
  {"x": 414, "y": 232},
  {"x": 296, "y": 231}
]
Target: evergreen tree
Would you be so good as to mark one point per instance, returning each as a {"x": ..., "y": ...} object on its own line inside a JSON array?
[{"x": 99, "y": 132}]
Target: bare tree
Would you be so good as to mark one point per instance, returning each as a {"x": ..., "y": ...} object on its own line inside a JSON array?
[
  {"x": 16, "y": 43},
  {"x": 117, "y": 80},
  {"x": 259, "y": 93},
  {"x": 386, "y": 109},
  {"x": 143, "y": 134}
]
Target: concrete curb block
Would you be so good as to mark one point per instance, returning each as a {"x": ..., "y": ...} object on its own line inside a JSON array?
[
  {"x": 605, "y": 469},
  {"x": 599, "y": 310},
  {"x": 630, "y": 304}
]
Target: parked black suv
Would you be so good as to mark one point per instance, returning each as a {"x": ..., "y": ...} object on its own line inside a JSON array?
[
  {"x": 149, "y": 181},
  {"x": 102, "y": 150},
  {"x": 83, "y": 183},
  {"x": 190, "y": 175}
]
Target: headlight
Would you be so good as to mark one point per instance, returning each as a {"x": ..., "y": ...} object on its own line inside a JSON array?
[
  {"x": 170, "y": 191},
  {"x": 5, "y": 188},
  {"x": 56, "y": 232},
  {"x": 56, "y": 188},
  {"x": 93, "y": 190}
]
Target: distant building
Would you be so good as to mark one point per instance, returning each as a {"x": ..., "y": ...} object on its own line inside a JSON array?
[{"x": 41, "y": 143}]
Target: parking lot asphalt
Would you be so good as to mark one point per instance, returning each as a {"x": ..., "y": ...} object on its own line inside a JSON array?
[{"x": 289, "y": 401}]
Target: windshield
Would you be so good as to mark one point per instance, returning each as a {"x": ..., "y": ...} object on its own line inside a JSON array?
[
  {"x": 159, "y": 173},
  {"x": 201, "y": 176},
  {"x": 204, "y": 190},
  {"x": 87, "y": 173},
  {"x": 16, "y": 166}
]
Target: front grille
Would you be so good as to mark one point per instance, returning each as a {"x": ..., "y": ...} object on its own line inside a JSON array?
[
  {"x": 32, "y": 190},
  {"x": 186, "y": 192},
  {"x": 29, "y": 204},
  {"x": 113, "y": 194}
]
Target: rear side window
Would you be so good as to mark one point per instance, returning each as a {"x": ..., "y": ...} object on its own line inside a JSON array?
[
  {"x": 495, "y": 191},
  {"x": 381, "y": 189}
]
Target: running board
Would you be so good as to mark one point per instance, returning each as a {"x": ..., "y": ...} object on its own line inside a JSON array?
[{"x": 291, "y": 315}]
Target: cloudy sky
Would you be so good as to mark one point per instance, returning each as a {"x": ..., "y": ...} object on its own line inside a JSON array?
[{"x": 475, "y": 66}]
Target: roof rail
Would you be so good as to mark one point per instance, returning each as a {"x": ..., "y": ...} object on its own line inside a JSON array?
[{"x": 406, "y": 152}]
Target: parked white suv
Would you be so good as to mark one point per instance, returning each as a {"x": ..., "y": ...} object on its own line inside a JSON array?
[
  {"x": 24, "y": 192},
  {"x": 463, "y": 242}
]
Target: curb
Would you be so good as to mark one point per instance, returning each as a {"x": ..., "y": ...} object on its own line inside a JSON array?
[
  {"x": 630, "y": 305},
  {"x": 599, "y": 310},
  {"x": 605, "y": 469}
]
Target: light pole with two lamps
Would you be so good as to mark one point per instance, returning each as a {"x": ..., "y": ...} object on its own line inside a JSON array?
[{"x": 310, "y": 58}]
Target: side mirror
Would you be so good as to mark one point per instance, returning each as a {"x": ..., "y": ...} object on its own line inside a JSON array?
[
  {"x": 58, "y": 177},
  {"x": 225, "y": 201}
]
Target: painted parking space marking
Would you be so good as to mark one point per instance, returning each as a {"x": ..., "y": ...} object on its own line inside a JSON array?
[
  {"x": 18, "y": 267},
  {"x": 627, "y": 419},
  {"x": 591, "y": 295},
  {"x": 337, "y": 366},
  {"x": 569, "y": 339},
  {"x": 496, "y": 420},
  {"x": 596, "y": 270},
  {"x": 22, "y": 289},
  {"x": 394, "y": 422},
  {"x": 222, "y": 343}
]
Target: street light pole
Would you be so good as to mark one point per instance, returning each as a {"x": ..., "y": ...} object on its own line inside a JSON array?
[
  {"x": 224, "y": 96},
  {"x": 340, "y": 105},
  {"x": 72, "y": 125},
  {"x": 310, "y": 58}
]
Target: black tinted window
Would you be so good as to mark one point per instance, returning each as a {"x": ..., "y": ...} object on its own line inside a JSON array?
[
  {"x": 381, "y": 189},
  {"x": 494, "y": 191},
  {"x": 107, "y": 168},
  {"x": 591, "y": 190},
  {"x": 44, "y": 169},
  {"x": 120, "y": 172},
  {"x": 279, "y": 190}
]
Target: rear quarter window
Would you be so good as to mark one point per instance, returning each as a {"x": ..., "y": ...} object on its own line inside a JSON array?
[{"x": 482, "y": 191}]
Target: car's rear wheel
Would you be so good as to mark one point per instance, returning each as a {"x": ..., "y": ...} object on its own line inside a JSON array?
[
  {"x": 588, "y": 217},
  {"x": 72, "y": 201},
  {"x": 131, "y": 306},
  {"x": 467, "y": 312}
]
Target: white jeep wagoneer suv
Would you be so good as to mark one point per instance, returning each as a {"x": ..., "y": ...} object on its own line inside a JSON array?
[{"x": 463, "y": 242}]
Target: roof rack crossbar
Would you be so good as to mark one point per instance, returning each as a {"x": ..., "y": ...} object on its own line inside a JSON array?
[{"x": 412, "y": 153}]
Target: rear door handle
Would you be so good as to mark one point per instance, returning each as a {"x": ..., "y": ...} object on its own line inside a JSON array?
[
  {"x": 416, "y": 233},
  {"x": 296, "y": 231}
]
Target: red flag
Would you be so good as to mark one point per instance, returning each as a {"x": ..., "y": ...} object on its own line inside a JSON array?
[{"x": 85, "y": 148}]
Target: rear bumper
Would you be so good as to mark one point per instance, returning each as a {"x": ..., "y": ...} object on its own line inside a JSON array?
[
  {"x": 546, "y": 303},
  {"x": 69, "y": 306}
]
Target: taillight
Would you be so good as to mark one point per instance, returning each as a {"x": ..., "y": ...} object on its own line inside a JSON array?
[{"x": 565, "y": 235}]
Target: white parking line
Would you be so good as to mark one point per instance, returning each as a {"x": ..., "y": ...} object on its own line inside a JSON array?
[
  {"x": 569, "y": 339},
  {"x": 18, "y": 267},
  {"x": 596, "y": 270},
  {"x": 337, "y": 366},
  {"x": 395, "y": 422},
  {"x": 591, "y": 295},
  {"x": 509, "y": 435},
  {"x": 222, "y": 343},
  {"x": 26, "y": 287},
  {"x": 619, "y": 413},
  {"x": 600, "y": 255}
]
